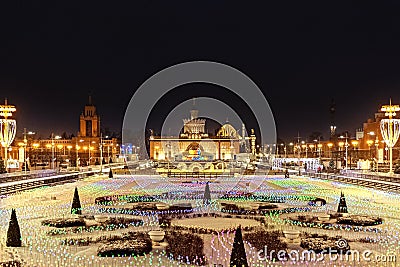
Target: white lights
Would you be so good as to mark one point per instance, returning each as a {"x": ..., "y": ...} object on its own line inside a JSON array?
[{"x": 390, "y": 129}]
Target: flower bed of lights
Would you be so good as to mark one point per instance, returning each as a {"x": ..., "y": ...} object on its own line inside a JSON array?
[
  {"x": 166, "y": 221},
  {"x": 360, "y": 220},
  {"x": 81, "y": 225},
  {"x": 262, "y": 238},
  {"x": 11, "y": 263},
  {"x": 185, "y": 247},
  {"x": 242, "y": 196},
  {"x": 117, "y": 199},
  {"x": 247, "y": 207},
  {"x": 323, "y": 244},
  {"x": 336, "y": 222},
  {"x": 134, "y": 244},
  {"x": 64, "y": 222}
]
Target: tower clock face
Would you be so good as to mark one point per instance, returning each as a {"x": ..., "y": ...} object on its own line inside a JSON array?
[{"x": 332, "y": 109}]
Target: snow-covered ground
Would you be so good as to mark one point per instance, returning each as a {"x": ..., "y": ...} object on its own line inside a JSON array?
[{"x": 39, "y": 249}]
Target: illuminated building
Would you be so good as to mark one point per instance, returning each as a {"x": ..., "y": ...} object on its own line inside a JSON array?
[
  {"x": 194, "y": 144},
  {"x": 80, "y": 150}
]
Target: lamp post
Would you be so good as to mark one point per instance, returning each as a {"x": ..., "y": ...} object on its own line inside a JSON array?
[
  {"x": 369, "y": 143},
  {"x": 101, "y": 153},
  {"x": 319, "y": 150},
  {"x": 85, "y": 148},
  {"x": 390, "y": 129},
  {"x": 341, "y": 145},
  {"x": 311, "y": 149},
  {"x": 57, "y": 137},
  {"x": 377, "y": 152},
  {"x": 8, "y": 128},
  {"x": 346, "y": 146},
  {"x": 354, "y": 143},
  {"x": 330, "y": 145}
]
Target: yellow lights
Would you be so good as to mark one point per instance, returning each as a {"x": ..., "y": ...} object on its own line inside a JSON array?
[
  {"x": 35, "y": 145},
  {"x": 48, "y": 145},
  {"x": 60, "y": 146},
  {"x": 85, "y": 148},
  {"x": 91, "y": 148},
  {"x": 330, "y": 145},
  {"x": 320, "y": 145},
  {"x": 21, "y": 144},
  {"x": 69, "y": 147},
  {"x": 77, "y": 147},
  {"x": 354, "y": 143},
  {"x": 303, "y": 146},
  {"x": 341, "y": 144},
  {"x": 7, "y": 110},
  {"x": 390, "y": 110},
  {"x": 312, "y": 146}
]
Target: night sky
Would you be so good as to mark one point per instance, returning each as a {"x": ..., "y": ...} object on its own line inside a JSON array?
[{"x": 300, "y": 53}]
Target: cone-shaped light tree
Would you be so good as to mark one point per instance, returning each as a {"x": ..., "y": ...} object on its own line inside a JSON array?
[
  {"x": 207, "y": 195},
  {"x": 13, "y": 232},
  {"x": 76, "y": 203},
  {"x": 110, "y": 174},
  {"x": 238, "y": 254},
  {"x": 342, "y": 208}
]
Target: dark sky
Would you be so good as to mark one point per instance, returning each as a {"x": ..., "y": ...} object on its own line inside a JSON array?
[{"x": 300, "y": 53}]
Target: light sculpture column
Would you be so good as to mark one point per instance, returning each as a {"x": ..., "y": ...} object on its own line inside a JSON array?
[
  {"x": 8, "y": 128},
  {"x": 390, "y": 129}
]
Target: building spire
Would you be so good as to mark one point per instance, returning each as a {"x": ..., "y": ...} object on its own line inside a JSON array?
[{"x": 90, "y": 99}]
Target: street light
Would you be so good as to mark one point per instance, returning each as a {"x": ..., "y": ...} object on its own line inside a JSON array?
[
  {"x": 346, "y": 145},
  {"x": 319, "y": 150},
  {"x": 311, "y": 148},
  {"x": 390, "y": 129},
  {"x": 354, "y": 143},
  {"x": 369, "y": 143},
  {"x": 377, "y": 152},
  {"x": 330, "y": 145},
  {"x": 53, "y": 148},
  {"x": 8, "y": 128}
]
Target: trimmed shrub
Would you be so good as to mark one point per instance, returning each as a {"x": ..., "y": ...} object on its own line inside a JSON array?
[
  {"x": 76, "y": 203},
  {"x": 261, "y": 238},
  {"x": 13, "y": 232},
  {"x": 185, "y": 247}
]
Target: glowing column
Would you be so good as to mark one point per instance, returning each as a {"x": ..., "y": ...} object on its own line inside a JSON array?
[
  {"x": 8, "y": 128},
  {"x": 390, "y": 129}
]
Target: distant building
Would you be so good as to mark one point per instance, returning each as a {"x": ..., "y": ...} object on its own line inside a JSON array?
[
  {"x": 194, "y": 144},
  {"x": 89, "y": 121},
  {"x": 81, "y": 150}
]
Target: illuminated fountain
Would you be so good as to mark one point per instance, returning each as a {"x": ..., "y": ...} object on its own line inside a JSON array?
[
  {"x": 390, "y": 129},
  {"x": 8, "y": 128}
]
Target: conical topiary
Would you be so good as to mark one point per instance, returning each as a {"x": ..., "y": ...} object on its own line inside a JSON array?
[
  {"x": 238, "y": 254},
  {"x": 13, "y": 232},
  {"x": 207, "y": 195},
  {"x": 110, "y": 174},
  {"x": 76, "y": 203},
  {"x": 342, "y": 208}
]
